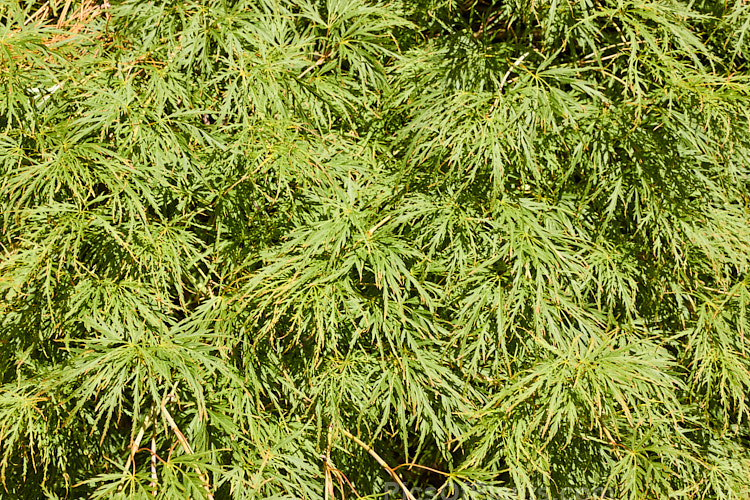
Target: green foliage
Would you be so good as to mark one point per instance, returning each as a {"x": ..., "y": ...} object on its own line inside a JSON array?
[{"x": 246, "y": 246}]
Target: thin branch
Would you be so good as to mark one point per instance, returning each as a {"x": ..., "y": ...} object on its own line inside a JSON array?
[
  {"x": 512, "y": 67},
  {"x": 185, "y": 446},
  {"x": 597, "y": 53},
  {"x": 64, "y": 13},
  {"x": 136, "y": 444},
  {"x": 410, "y": 465},
  {"x": 45, "y": 6},
  {"x": 154, "y": 477},
  {"x": 317, "y": 63},
  {"x": 329, "y": 492},
  {"x": 380, "y": 461}
]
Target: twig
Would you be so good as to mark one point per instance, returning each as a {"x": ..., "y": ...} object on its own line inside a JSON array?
[
  {"x": 64, "y": 13},
  {"x": 185, "y": 446},
  {"x": 340, "y": 475},
  {"x": 136, "y": 444},
  {"x": 317, "y": 63},
  {"x": 154, "y": 477},
  {"x": 257, "y": 483},
  {"x": 597, "y": 53},
  {"x": 329, "y": 492},
  {"x": 44, "y": 6},
  {"x": 106, "y": 7},
  {"x": 512, "y": 67},
  {"x": 410, "y": 465},
  {"x": 504, "y": 80},
  {"x": 380, "y": 461}
]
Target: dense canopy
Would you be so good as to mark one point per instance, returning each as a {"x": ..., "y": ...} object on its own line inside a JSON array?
[{"x": 314, "y": 248}]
